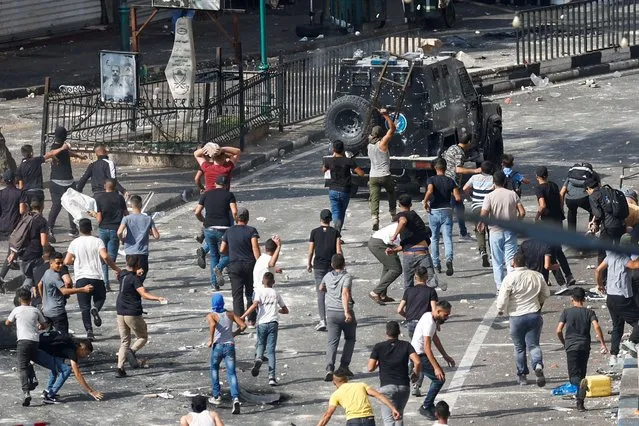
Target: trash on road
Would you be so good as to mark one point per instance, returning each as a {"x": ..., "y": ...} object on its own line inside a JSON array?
[
  {"x": 261, "y": 219},
  {"x": 538, "y": 81},
  {"x": 469, "y": 61},
  {"x": 554, "y": 94},
  {"x": 616, "y": 74}
]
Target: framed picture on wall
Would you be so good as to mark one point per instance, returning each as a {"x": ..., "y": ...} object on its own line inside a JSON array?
[
  {"x": 188, "y": 4},
  {"x": 118, "y": 77}
]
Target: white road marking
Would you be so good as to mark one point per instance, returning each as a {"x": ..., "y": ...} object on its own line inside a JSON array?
[
  {"x": 469, "y": 356},
  {"x": 243, "y": 180}
]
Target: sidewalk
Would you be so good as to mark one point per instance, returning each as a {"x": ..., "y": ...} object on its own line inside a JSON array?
[{"x": 74, "y": 59}]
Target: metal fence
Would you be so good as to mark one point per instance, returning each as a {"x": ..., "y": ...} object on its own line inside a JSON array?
[
  {"x": 223, "y": 108},
  {"x": 574, "y": 28},
  {"x": 226, "y": 105}
]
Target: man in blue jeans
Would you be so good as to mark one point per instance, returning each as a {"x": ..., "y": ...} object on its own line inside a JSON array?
[
  {"x": 502, "y": 204},
  {"x": 440, "y": 190},
  {"x": 424, "y": 337},
  {"x": 521, "y": 296},
  {"x": 222, "y": 344},
  {"x": 337, "y": 170},
  {"x": 111, "y": 208},
  {"x": 220, "y": 207}
]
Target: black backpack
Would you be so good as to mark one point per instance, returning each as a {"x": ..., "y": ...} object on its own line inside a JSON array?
[
  {"x": 581, "y": 173},
  {"x": 614, "y": 202},
  {"x": 511, "y": 184}
]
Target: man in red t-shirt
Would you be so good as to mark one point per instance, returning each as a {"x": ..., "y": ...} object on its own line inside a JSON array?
[{"x": 216, "y": 161}]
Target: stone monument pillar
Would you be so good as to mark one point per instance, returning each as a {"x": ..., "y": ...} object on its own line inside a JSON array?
[{"x": 180, "y": 70}]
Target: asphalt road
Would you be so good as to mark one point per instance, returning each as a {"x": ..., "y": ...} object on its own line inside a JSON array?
[{"x": 572, "y": 123}]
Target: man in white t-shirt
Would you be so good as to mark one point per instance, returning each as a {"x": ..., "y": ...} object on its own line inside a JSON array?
[
  {"x": 270, "y": 304},
  {"x": 266, "y": 262},
  {"x": 86, "y": 254},
  {"x": 424, "y": 337}
]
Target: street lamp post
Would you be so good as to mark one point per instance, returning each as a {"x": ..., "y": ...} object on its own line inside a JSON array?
[{"x": 264, "y": 65}]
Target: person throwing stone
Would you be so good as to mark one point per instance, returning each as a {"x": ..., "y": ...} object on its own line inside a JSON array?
[{"x": 380, "y": 175}]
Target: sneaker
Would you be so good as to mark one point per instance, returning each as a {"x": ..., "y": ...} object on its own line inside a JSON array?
[
  {"x": 612, "y": 361},
  {"x": 33, "y": 383},
  {"x": 416, "y": 391},
  {"x": 376, "y": 298},
  {"x": 484, "y": 260},
  {"x": 96, "y": 317},
  {"x": 49, "y": 399},
  {"x": 522, "y": 380},
  {"x": 215, "y": 400},
  {"x": 14, "y": 266},
  {"x": 466, "y": 239},
  {"x": 630, "y": 347},
  {"x": 580, "y": 406},
  {"x": 73, "y": 234},
  {"x": 236, "y": 406},
  {"x": 200, "y": 238},
  {"x": 449, "y": 269},
  {"x": 132, "y": 359},
  {"x": 427, "y": 412},
  {"x": 321, "y": 326},
  {"x": 201, "y": 257},
  {"x": 108, "y": 288},
  {"x": 216, "y": 288},
  {"x": 51, "y": 238},
  {"x": 219, "y": 278},
  {"x": 438, "y": 268},
  {"x": 27, "y": 399},
  {"x": 570, "y": 280},
  {"x": 328, "y": 377},
  {"x": 375, "y": 226},
  {"x": 539, "y": 373},
  {"x": 348, "y": 371},
  {"x": 250, "y": 324},
  {"x": 255, "y": 371},
  {"x": 387, "y": 299},
  {"x": 272, "y": 381},
  {"x": 90, "y": 336},
  {"x": 120, "y": 373}
]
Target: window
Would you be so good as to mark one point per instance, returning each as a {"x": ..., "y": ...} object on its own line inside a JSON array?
[{"x": 361, "y": 79}]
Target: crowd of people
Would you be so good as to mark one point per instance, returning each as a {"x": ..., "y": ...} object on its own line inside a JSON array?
[{"x": 406, "y": 246}]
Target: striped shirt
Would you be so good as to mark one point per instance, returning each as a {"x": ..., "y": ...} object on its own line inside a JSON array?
[{"x": 481, "y": 184}]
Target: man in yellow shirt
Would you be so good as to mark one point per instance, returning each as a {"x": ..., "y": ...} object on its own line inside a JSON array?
[{"x": 354, "y": 398}]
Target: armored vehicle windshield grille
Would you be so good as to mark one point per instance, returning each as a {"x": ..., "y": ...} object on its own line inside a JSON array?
[
  {"x": 467, "y": 85},
  {"x": 361, "y": 79}
]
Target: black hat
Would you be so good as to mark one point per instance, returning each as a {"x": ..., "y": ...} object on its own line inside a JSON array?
[
  {"x": 542, "y": 171},
  {"x": 243, "y": 214},
  {"x": 222, "y": 180},
  {"x": 60, "y": 134},
  {"x": 326, "y": 215}
]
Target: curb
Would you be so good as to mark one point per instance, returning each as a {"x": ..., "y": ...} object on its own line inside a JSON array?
[
  {"x": 283, "y": 147},
  {"x": 513, "y": 77},
  {"x": 629, "y": 393}
]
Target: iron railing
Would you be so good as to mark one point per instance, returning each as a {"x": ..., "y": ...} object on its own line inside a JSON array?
[
  {"x": 574, "y": 28},
  {"x": 221, "y": 110}
]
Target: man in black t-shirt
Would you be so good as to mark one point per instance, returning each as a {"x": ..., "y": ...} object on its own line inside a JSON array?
[
  {"x": 29, "y": 173},
  {"x": 13, "y": 204},
  {"x": 417, "y": 300},
  {"x": 414, "y": 241},
  {"x": 240, "y": 242},
  {"x": 129, "y": 314},
  {"x": 440, "y": 192},
  {"x": 324, "y": 242},
  {"x": 56, "y": 347},
  {"x": 338, "y": 170},
  {"x": 38, "y": 238},
  {"x": 392, "y": 356},
  {"x": 111, "y": 208},
  {"x": 551, "y": 211},
  {"x": 540, "y": 257},
  {"x": 61, "y": 180},
  {"x": 221, "y": 208}
]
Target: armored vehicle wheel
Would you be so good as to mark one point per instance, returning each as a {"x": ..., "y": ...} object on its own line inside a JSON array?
[
  {"x": 345, "y": 121},
  {"x": 494, "y": 143},
  {"x": 449, "y": 15}
]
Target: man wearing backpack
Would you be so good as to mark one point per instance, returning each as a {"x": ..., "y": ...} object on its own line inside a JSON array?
[
  {"x": 27, "y": 240},
  {"x": 573, "y": 192},
  {"x": 13, "y": 204},
  {"x": 609, "y": 209}
]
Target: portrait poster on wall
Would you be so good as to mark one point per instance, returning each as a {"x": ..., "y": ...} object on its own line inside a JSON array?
[{"x": 118, "y": 77}]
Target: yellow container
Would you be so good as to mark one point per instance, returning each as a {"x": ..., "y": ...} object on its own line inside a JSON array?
[{"x": 599, "y": 386}]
